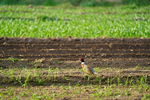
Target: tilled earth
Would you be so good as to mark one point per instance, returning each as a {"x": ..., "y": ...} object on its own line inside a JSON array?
[{"x": 58, "y": 52}]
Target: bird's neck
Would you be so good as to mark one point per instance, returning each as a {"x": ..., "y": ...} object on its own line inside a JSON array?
[{"x": 82, "y": 62}]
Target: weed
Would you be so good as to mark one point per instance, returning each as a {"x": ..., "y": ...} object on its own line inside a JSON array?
[
  {"x": 108, "y": 91},
  {"x": 26, "y": 82},
  {"x": 13, "y": 59},
  {"x": 9, "y": 92},
  {"x": 127, "y": 93},
  {"x": 138, "y": 67},
  {"x": 39, "y": 81},
  {"x": 119, "y": 81},
  {"x": 38, "y": 97},
  {"x": 15, "y": 98},
  {"x": 23, "y": 94},
  {"x": 98, "y": 79},
  {"x": 146, "y": 97},
  {"x": 23, "y": 81}
]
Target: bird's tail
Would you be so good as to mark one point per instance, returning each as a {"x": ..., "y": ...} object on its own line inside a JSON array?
[{"x": 95, "y": 73}]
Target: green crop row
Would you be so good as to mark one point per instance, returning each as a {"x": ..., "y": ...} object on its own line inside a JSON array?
[
  {"x": 47, "y": 22},
  {"x": 76, "y": 2}
]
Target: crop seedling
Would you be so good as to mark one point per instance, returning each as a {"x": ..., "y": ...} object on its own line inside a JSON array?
[
  {"x": 146, "y": 97},
  {"x": 13, "y": 59}
]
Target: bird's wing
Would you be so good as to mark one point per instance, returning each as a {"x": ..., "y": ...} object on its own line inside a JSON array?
[
  {"x": 92, "y": 70},
  {"x": 89, "y": 70}
]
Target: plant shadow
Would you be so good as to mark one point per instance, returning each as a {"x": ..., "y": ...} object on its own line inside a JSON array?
[{"x": 39, "y": 18}]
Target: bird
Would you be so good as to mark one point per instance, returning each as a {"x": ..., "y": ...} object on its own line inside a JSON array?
[{"x": 87, "y": 69}]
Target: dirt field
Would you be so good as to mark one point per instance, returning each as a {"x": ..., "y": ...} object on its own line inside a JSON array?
[
  {"x": 49, "y": 69},
  {"x": 108, "y": 52}
]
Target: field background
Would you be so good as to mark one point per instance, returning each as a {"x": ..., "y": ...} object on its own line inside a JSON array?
[
  {"x": 66, "y": 20},
  {"x": 47, "y": 79}
]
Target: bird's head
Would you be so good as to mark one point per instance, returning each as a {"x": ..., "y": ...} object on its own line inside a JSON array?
[{"x": 82, "y": 59}]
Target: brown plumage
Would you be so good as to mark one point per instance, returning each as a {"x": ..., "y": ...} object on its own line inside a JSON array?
[{"x": 86, "y": 69}]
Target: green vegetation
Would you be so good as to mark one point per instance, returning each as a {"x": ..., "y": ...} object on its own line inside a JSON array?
[
  {"x": 76, "y": 2},
  {"x": 25, "y": 77},
  {"x": 26, "y": 2},
  {"x": 59, "y": 91},
  {"x": 48, "y": 84},
  {"x": 44, "y": 22},
  {"x": 121, "y": 21},
  {"x": 137, "y": 2}
]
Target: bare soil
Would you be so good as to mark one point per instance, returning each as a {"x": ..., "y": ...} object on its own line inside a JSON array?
[{"x": 65, "y": 52}]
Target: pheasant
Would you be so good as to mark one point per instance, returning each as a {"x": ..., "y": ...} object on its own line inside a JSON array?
[{"x": 87, "y": 69}]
